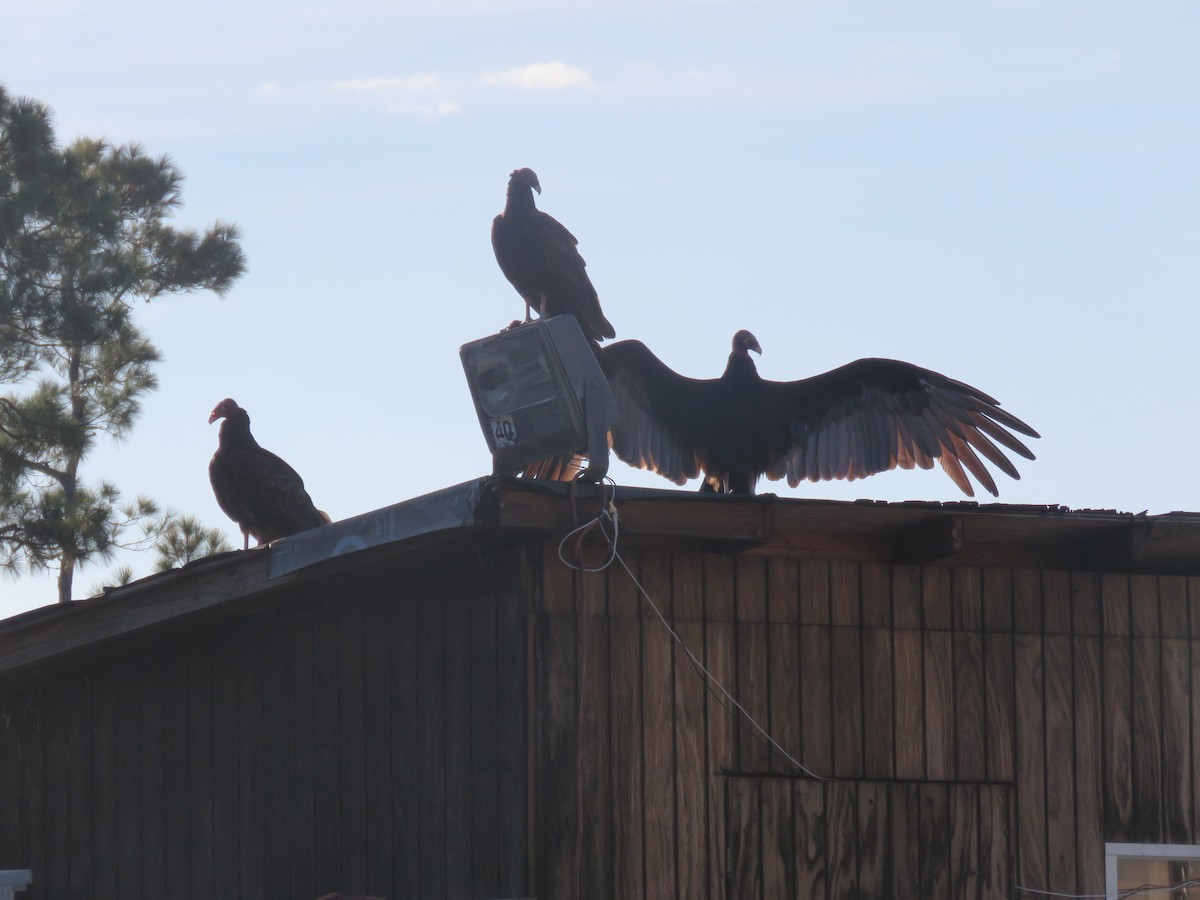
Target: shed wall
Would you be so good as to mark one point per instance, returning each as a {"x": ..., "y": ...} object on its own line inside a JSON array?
[
  {"x": 369, "y": 742},
  {"x": 982, "y": 729}
]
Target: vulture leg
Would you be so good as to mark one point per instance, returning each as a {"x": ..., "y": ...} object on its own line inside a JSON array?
[{"x": 245, "y": 540}]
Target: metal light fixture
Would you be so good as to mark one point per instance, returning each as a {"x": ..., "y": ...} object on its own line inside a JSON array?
[{"x": 539, "y": 392}]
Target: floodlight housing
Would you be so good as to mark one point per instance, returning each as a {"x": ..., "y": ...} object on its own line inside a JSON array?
[{"x": 539, "y": 392}]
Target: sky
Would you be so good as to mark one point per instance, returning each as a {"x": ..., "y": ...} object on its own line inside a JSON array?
[{"x": 1005, "y": 192}]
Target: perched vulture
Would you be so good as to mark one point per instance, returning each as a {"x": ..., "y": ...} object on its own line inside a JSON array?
[
  {"x": 869, "y": 416},
  {"x": 254, "y": 487},
  {"x": 537, "y": 254}
]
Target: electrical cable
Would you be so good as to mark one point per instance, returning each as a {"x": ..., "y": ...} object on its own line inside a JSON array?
[{"x": 609, "y": 514}]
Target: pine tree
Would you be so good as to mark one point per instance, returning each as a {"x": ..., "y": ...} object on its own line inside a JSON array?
[{"x": 83, "y": 236}]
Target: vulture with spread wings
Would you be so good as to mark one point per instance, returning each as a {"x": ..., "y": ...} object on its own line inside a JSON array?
[
  {"x": 869, "y": 416},
  {"x": 258, "y": 490},
  {"x": 539, "y": 256}
]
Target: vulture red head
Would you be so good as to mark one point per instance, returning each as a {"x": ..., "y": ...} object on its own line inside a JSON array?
[
  {"x": 225, "y": 408},
  {"x": 523, "y": 178}
]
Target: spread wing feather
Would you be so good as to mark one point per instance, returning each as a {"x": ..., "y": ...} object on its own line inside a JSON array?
[{"x": 866, "y": 417}]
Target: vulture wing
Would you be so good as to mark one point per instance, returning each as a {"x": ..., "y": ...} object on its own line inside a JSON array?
[
  {"x": 263, "y": 494},
  {"x": 873, "y": 415},
  {"x": 866, "y": 417},
  {"x": 663, "y": 418}
]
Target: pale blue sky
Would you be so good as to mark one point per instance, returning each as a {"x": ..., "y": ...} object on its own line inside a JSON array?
[{"x": 1006, "y": 192}]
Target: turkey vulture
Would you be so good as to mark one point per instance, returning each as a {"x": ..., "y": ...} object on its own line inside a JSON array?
[
  {"x": 537, "y": 254},
  {"x": 254, "y": 487},
  {"x": 865, "y": 417}
]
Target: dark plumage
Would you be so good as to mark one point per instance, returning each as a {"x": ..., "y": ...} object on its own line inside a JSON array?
[
  {"x": 254, "y": 487},
  {"x": 537, "y": 254},
  {"x": 869, "y": 416}
]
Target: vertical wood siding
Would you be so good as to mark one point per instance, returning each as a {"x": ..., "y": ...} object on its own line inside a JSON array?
[
  {"x": 370, "y": 744},
  {"x": 982, "y": 729}
]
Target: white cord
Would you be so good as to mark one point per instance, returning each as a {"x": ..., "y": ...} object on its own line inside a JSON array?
[
  {"x": 609, "y": 512},
  {"x": 1140, "y": 891}
]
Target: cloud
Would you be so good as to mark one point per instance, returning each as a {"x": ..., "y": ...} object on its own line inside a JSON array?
[
  {"x": 551, "y": 76},
  {"x": 421, "y": 96}
]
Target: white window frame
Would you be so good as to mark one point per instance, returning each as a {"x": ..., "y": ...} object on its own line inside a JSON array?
[{"x": 1116, "y": 851}]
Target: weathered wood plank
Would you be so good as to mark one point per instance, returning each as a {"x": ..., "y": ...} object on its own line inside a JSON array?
[
  {"x": 816, "y": 699},
  {"x": 1173, "y": 606},
  {"x": 847, "y": 718},
  {"x": 1060, "y": 763},
  {"x": 809, "y": 804},
  {"x": 77, "y": 777},
  {"x": 1147, "y": 711},
  {"x": 456, "y": 750},
  {"x": 999, "y": 711},
  {"x": 1178, "y": 770},
  {"x": 995, "y": 830},
  {"x": 997, "y": 599},
  {"x": 1087, "y": 608},
  {"x": 753, "y": 691},
  {"x": 352, "y": 726},
  {"x": 659, "y": 761},
  {"x": 722, "y": 720},
  {"x": 275, "y": 703},
  {"x": 327, "y": 825},
  {"x": 176, "y": 795},
  {"x": 1032, "y": 868},
  {"x": 783, "y": 590},
  {"x": 967, "y": 598},
  {"x": 1089, "y": 765},
  {"x": 904, "y": 806},
  {"x": 404, "y": 640},
  {"x": 1027, "y": 601},
  {"x": 845, "y": 593},
  {"x": 874, "y": 847},
  {"x": 879, "y": 760},
  {"x": 595, "y": 849},
  {"x": 783, "y": 655},
  {"x": 1056, "y": 602},
  {"x": 625, "y": 692},
  {"x": 227, "y": 737},
  {"x": 1114, "y": 602},
  {"x": 970, "y": 707},
  {"x": 842, "y": 852},
  {"x": 515, "y": 756},
  {"x": 939, "y": 705},
  {"x": 560, "y": 815},
  {"x": 935, "y": 842},
  {"x": 964, "y": 834},
  {"x": 152, "y": 688},
  {"x": 906, "y": 597},
  {"x": 302, "y": 771},
  {"x": 126, "y": 723},
  {"x": 814, "y": 592},
  {"x": 692, "y": 771},
  {"x": 1117, "y": 710},
  {"x": 199, "y": 771},
  {"x": 57, "y": 787},
  {"x": 247, "y": 661},
  {"x": 937, "y": 599},
  {"x": 876, "y": 581},
  {"x": 377, "y": 746},
  {"x": 778, "y": 840},
  {"x": 485, "y": 710},
  {"x": 104, "y": 821},
  {"x": 744, "y": 875},
  {"x": 910, "y": 704}
]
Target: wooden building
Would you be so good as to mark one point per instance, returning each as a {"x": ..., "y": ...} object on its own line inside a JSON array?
[{"x": 425, "y": 701}]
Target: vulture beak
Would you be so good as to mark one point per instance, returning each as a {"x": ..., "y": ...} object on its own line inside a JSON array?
[
  {"x": 537, "y": 187},
  {"x": 754, "y": 346},
  {"x": 213, "y": 417}
]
